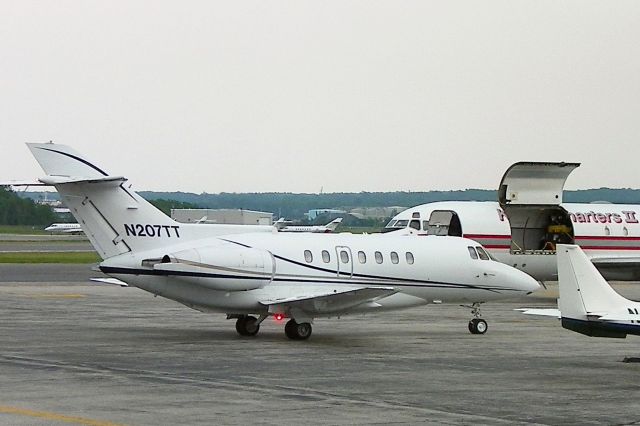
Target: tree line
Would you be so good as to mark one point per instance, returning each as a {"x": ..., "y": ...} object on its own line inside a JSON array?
[{"x": 15, "y": 210}]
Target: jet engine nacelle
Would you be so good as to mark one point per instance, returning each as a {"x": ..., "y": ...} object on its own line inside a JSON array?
[{"x": 227, "y": 268}]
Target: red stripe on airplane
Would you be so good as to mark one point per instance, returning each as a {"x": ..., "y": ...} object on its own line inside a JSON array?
[{"x": 607, "y": 238}]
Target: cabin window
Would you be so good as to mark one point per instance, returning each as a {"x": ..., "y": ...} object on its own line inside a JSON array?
[
  {"x": 378, "y": 257},
  {"x": 326, "y": 257},
  {"x": 607, "y": 231},
  {"x": 483, "y": 254},
  {"x": 409, "y": 257},
  {"x": 308, "y": 256},
  {"x": 394, "y": 258},
  {"x": 362, "y": 257},
  {"x": 472, "y": 252},
  {"x": 344, "y": 256},
  {"x": 415, "y": 224}
]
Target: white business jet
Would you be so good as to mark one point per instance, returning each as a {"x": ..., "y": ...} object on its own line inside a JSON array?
[
  {"x": 64, "y": 228},
  {"x": 587, "y": 303},
  {"x": 247, "y": 270},
  {"x": 281, "y": 225},
  {"x": 529, "y": 219}
]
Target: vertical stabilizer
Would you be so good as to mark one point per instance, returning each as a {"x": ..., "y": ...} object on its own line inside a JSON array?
[
  {"x": 583, "y": 291},
  {"x": 109, "y": 213}
]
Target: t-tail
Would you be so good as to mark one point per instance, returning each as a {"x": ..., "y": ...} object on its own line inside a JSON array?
[{"x": 115, "y": 218}]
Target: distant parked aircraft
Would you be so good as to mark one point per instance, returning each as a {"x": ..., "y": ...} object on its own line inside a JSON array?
[
  {"x": 65, "y": 228},
  {"x": 329, "y": 227}
]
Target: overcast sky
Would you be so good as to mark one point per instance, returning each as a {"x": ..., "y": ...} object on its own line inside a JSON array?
[{"x": 243, "y": 96}]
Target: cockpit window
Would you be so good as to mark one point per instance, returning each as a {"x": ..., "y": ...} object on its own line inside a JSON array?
[
  {"x": 472, "y": 252},
  {"x": 483, "y": 254},
  {"x": 390, "y": 224},
  {"x": 401, "y": 224},
  {"x": 415, "y": 224}
]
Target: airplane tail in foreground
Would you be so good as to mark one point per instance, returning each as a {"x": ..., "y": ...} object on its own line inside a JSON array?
[
  {"x": 115, "y": 219},
  {"x": 583, "y": 291},
  {"x": 587, "y": 303}
]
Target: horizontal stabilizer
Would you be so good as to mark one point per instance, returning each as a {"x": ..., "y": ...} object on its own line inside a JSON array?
[
  {"x": 621, "y": 316},
  {"x": 61, "y": 180},
  {"x": 22, "y": 183},
  {"x": 111, "y": 281},
  {"x": 331, "y": 301},
  {"x": 551, "y": 312}
]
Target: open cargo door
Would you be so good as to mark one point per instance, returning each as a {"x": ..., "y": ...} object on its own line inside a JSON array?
[{"x": 530, "y": 194}]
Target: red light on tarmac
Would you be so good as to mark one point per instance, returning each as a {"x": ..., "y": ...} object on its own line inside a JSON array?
[{"x": 278, "y": 317}]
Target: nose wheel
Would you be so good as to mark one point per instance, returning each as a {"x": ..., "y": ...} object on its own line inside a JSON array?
[{"x": 477, "y": 325}]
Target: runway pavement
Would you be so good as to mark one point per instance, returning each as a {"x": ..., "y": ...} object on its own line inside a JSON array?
[{"x": 76, "y": 353}]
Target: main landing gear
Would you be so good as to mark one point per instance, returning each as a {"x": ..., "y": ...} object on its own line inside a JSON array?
[
  {"x": 247, "y": 325},
  {"x": 477, "y": 325},
  {"x": 297, "y": 331}
]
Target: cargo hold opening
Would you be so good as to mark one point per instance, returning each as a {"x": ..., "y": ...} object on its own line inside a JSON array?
[{"x": 537, "y": 230}]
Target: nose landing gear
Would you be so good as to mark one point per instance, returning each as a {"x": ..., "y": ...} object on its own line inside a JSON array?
[{"x": 477, "y": 325}]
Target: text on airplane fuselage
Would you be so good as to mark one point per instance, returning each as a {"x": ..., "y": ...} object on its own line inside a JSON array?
[
  {"x": 140, "y": 230},
  {"x": 628, "y": 216}
]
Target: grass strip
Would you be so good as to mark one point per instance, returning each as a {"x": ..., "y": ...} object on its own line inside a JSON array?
[{"x": 49, "y": 257}]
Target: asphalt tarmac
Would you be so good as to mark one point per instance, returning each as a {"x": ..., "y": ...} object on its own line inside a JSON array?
[{"x": 79, "y": 353}]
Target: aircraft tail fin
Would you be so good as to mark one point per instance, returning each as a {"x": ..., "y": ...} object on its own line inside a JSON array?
[
  {"x": 106, "y": 210},
  {"x": 331, "y": 226},
  {"x": 583, "y": 290}
]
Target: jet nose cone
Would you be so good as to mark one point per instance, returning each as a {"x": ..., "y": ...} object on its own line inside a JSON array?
[{"x": 525, "y": 281}]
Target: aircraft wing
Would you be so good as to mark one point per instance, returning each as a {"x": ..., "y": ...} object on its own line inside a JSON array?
[
  {"x": 551, "y": 312},
  {"x": 329, "y": 301}
]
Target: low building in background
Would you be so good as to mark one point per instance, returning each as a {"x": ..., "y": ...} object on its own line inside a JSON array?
[
  {"x": 226, "y": 216},
  {"x": 376, "y": 212},
  {"x": 314, "y": 213}
]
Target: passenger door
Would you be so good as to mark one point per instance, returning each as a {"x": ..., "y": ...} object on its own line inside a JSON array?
[{"x": 344, "y": 258}]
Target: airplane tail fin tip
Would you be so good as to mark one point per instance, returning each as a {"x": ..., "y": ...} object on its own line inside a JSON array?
[{"x": 62, "y": 160}]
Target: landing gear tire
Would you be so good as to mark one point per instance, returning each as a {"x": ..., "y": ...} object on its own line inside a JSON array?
[
  {"x": 295, "y": 331},
  {"x": 478, "y": 326},
  {"x": 247, "y": 326}
]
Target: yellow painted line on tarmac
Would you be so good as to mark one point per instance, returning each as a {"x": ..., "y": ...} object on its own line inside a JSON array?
[{"x": 54, "y": 416}]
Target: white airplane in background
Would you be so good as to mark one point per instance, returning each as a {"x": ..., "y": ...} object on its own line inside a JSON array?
[
  {"x": 247, "y": 270},
  {"x": 65, "y": 228},
  {"x": 529, "y": 219},
  {"x": 587, "y": 304},
  {"x": 328, "y": 228}
]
